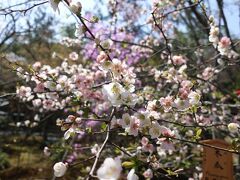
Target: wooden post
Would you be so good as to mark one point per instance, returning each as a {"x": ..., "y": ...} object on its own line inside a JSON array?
[{"x": 217, "y": 164}]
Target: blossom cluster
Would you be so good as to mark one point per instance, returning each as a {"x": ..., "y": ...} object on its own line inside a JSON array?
[
  {"x": 223, "y": 45},
  {"x": 153, "y": 105}
]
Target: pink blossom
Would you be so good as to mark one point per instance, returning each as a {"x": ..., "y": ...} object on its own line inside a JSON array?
[
  {"x": 144, "y": 141},
  {"x": 183, "y": 93},
  {"x": 178, "y": 60},
  {"x": 48, "y": 104},
  {"x": 134, "y": 126},
  {"x": 37, "y": 102},
  {"x": 73, "y": 56},
  {"x": 39, "y": 88},
  {"x": 166, "y": 102},
  {"x": 102, "y": 57},
  {"x": 148, "y": 148},
  {"x": 225, "y": 42},
  {"x": 37, "y": 65},
  {"x": 148, "y": 174}
]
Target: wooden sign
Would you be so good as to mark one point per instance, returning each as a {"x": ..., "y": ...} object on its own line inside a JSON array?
[{"x": 217, "y": 164}]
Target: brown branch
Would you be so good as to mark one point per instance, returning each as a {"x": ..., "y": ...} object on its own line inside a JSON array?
[
  {"x": 164, "y": 36},
  {"x": 202, "y": 19},
  {"x": 93, "y": 36},
  {"x": 24, "y": 11},
  {"x": 121, "y": 149},
  {"x": 81, "y": 162},
  {"x": 189, "y": 126},
  {"x": 220, "y": 6},
  {"x": 206, "y": 145}
]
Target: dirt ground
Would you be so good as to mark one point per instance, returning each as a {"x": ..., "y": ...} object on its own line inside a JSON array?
[{"x": 27, "y": 161}]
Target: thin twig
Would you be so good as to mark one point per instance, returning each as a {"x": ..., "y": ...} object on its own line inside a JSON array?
[{"x": 103, "y": 145}]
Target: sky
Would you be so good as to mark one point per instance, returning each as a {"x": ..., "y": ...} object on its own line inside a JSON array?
[{"x": 232, "y": 12}]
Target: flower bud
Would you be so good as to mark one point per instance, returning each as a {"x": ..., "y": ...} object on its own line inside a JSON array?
[
  {"x": 76, "y": 7},
  {"x": 60, "y": 169},
  {"x": 233, "y": 127},
  {"x": 94, "y": 19}
]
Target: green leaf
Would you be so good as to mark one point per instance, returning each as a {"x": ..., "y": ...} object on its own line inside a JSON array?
[
  {"x": 103, "y": 126},
  {"x": 198, "y": 133}
]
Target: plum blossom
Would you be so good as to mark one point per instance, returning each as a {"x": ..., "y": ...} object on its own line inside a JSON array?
[
  {"x": 132, "y": 176},
  {"x": 233, "y": 127},
  {"x": 46, "y": 151},
  {"x": 144, "y": 141},
  {"x": 178, "y": 60},
  {"x": 20, "y": 72},
  {"x": 148, "y": 174},
  {"x": 95, "y": 149},
  {"x": 72, "y": 124},
  {"x": 125, "y": 120},
  {"x": 146, "y": 146},
  {"x": 165, "y": 144},
  {"x": 60, "y": 169},
  {"x": 117, "y": 67},
  {"x": 214, "y": 32},
  {"x": 39, "y": 88},
  {"x": 194, "y": 98},
  {"x": 186, "y": 84},
  {"x": 103, "y": 61},
  {"x": 134, "y": 126},
  {"x": 167, "y": 103},
  {"x": 152, "y": 105},
  {"x": 73, "y": 56},
  {"x": 48, "y": 104},
  {"x": 181, "y": 104},
  {"x": 69, "y": 133},
  {"x": 166, "y": 131},
  {"x": 25, "y": 93},
  {"x": 213, "y": 37},
  {"x": 113, "y": 93},
  {"x": 155, "y": 130},
  {"x": 117, "y": 95},
  {"x": 75, "y": 6},
  {"x": 102, "y": 57},
  {"x": 36, "y": 66},
  {"x": 143, "y": 116},
  {"x": 224, "y": 46},
  {"x": 50, "y": 85},
  {"x": 208, "y": 73},
  {"x": 129, "y": 98},
  {"x": 110, "y": 169},
  {"x": 37, "y": 102},
  {"x": 114, "y": 122}
]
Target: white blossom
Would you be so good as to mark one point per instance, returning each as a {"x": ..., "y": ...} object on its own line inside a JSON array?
[
  {"x": 125, "y": 120},
  {"x": 60, "y": 169},
  {"x": 154, "y": 131},
  {"x": 110, "y": 169},
  {"x": 132, "y": 176},
  {"x": 194, "y": 98},
  {"x": 75, "y": 6},
  {"x": 233, "y": 127},
  {"x": 117, "y": 95}
]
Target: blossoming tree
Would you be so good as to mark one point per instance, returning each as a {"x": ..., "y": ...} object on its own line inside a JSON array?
[{"x": 142, "y": 92}]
